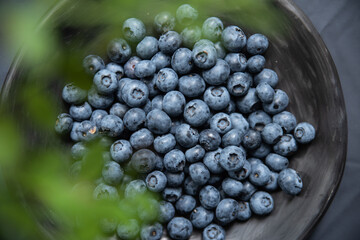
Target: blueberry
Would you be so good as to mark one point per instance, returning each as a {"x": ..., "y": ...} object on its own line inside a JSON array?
[
  {"x": 63, "y": 124},
  {"x": 212, "y": 28},
  {"x": 105, "y": 82},
  {"x": 135, "y": 93},
  {"x": 135, "y": 188},
  {"x": 80, "y": 112},
  {"x": 204, "y": 55},
  {"x": 117, "y": 69},
  {"x": 248, "y": 103},
  {"x": 112, "y": 126},
  {"x": 212, "y": 161},
  {"x": 156, "y": 181},
  {"x": 201, "y": 217},
  {"x": 190, "y": 35},
  {"x": 233, "y": 137},
  {"x": 161, "y": 60},
  {"x": 248, "y": 191},
  {"x": 121, "y": 151},
  {"x": 192, "y": 85},
  {"x": 304, "y": 133},
  {"x": 151, "y": 232},
  {"x": 73, "y": 94},
  {"x": 239, "y": 122},
  {"x": 164, "y": 22},
  {"x": 185, "y": 204},
  {"x": 175, "y": 179},
  {"x": 172, "y": 194},
  {"x": 147, "y": 48},
  {"x": 232, "y": 158},
  {"x": 129, "y": 67},
  {"x": 87, "y": 131},
  {"x": 237, "y": 62},
  {"x": 286, "y": 120},
  {"x": 166, "y": 211},
  {"x": 121, "y": 84},
  {"x": 254, "y": 161},
  {"x": 261, "y": 152},
  {"x": 144, "y": 68},
  {"x": 221, "y": 123},
  {"x": 290, "y": 181},
  {"x": 134, "y": 30},
  {"x": 103, "y": 191},
  {"x": 243, "y": 173},
  {"x": 244, "y": 212},
  {"x": 265, "y": 92},
  {"x": 167, "y": 80},
  {"x": 164, "y": 144},
  {"x": 261, "y": 203},
  {"x": 209, "y": 197},
  {"x": 232, "y": 187},
  {"x": 186, "y": 136},
  {"x": 239, "y": 84},
  {"x": 233, "y": 38},
  {"x": 213, "y": 232},
  {"x": 279, "y": 103},
  {"x": 268, "y": 76},
  {"x": 190, "y": 187},
  {"x": 260, "y": 174},
  {"x": 217, "y": 98},
  {"x": 99, "y": 101},
  {"x": 209, "y": 139},
  {"x": 142, "y": 138},
  {"x": 174, "y": 161},
  {"x": 226, "y": 211},
  {"x": 92, "y": 64},
  {"x": 258, "y": 120},
  {"x": 134, "y": 119},
  {"x": 169, "y": 42},
  {"x": 74, "y": 135},
  {"x": 143, "y": 161},
  {"x": 128, "y": 229},
  {"x": 158, "y": 122},
  {"x": 256, "y": 64},
  {"x": 257, "y": 44},
  {"x": 186, "y": 14},
  {"x": 181, "y": 61},
  {"x": 112, "y": 173},
  {"x": 220, "y": 50},
  {"x": 199, "y": 173},
  {"x": 286, "y": 146},
  {"x": 194, "y": 154},
  {"x": 119, "y": 50},
  {"x": 276, "y": 162},
  {"x": 272, "y": 185},
  {"x": 78, "y": 150},
  {"x": 271, "y": 133},
  {"x": 119, "y": 109},
  {"x": 218, "y": 74},
  {"x": 174, "y": 103},
  {"x": 196, "y": 113}
]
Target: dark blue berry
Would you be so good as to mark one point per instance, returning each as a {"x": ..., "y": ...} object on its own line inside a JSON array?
[
  {"x": 147, "y": 48},
  {"x": 218, "y": 74},
  {"x": 268, "y": 76},
  {"x": 164, "y": 144},
  {"x": 144, "y": 68},
  {"x": 161, "y": 60},
  {"x": 276, "y": 162},
  {"x": 151, "y": 232},
  {"x": 286, "y": 120},
  {"x": 233, "y": 38},
  {"x": 304, "y": 133},
  {"x": 112, "y": 126},
  {"x": 135, "y": 93},
  {"x": 279, "y": 103},
  {"x": 199, "y": 173},
  {"x": 174, "y": 161},
  {"x": 134, "y": 119},
  {"x": 196, "y": 113},
  {"x": 63, "y": 124},
  {"x": 258, "y": 119},
  {"x": 80, "y": 112},
  {"x": 117, "y": 69},
  {"x": 158, "y": 122},
  {"x": 73, "y": 94},
  {"x": 121, "y": 151},
  {"x": 169, "y": 42},
  {"x": 248, "y": 191},
  {"x": 166, "y": 211},
  {"x": 212, "y": 161},
  {"x": 112, "y": 173},
  {"x": 143, "y": 161},
  {"x": 271, "y": 133},
  {"x": 237, "y": 62},
  {"x": 119, "y": 50},
  {"x": 204, "y": 55},
  {"x": 233, "y": 137},
  {"x": 265, "y": 92},
  {"x": 185, "y": 204},
  {"x": 232, "y": 158},
  {"x": 192, "y": 85},
  {"x": 232, "y": 187},
  {"x": 174, "y": 103},
  {"x": 256, "y": 64},
  {"x": 181, "y": 61},
  {"x": 272, "y": 184},
  {"x": 257, "y": 44},
  {"x": 239, "y": 84},
  {"x": 166, "y": 80},
  {"x": 213, "y": 232},
  {"x": 290, "y": 181},
  {"x": 156, "y": 181},
  {"x": 221, "y": 123},
  {"x": 105, "y": 82},
  {"x": 119, "y": 109},
  {"x": 209, "y": 197},
  {"x": 217, "y": 98},
  {"x": 194, "y": 154},
  {"x": 175, "y": 179},
  {"x": 286, "y": 146},
  {"x": 99, "y": 101},
  {"x": 248, "y": 103},
  {"x": 227, "y": 211},
  {"x": 172, "y": 194},
  {"x": 260, "y": 174},
  {"x": 142, "y": 138},
  {"x": 179, "y": 228},
  {"x": 92, "y": 64},
  {"x": 261, "y": 203},
  {"x": 201, "y": 217},
  {"x": 129, "y": 67},
  {"x": 209, "y": 139},
  {"x": 242, "y": 173}
]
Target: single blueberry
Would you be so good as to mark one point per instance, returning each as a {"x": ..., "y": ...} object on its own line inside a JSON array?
[
  {"x": 174, "y": 103},
  {"x": 261, "y": 203},
  {"x": 119, "y": 50},
  {"x": 73, "y": 94},
  {"x": 105, "y": 82},
  {"x": 233, "y": 137},
  {"x": 175, "y": 179},
  {"x": 151, "y": 232},
  {"x": 147, "y": 48},
  {"x": 286, "y": 120},
  {"x": 237, "y": 61},
  {"x": 217, "y": 98},
  {"x": 112, "y": 126},
  {"x": 212, "y": 28},
  {"x": 196, "y": 113},
  {"x": 135, "y": 93},
  {"x": 286, "y": 146},
  {"x": 239, "y": 122},
  {"x": 129, "y": 67},
  {"x": 156, "y": 181},
  {"x": 204, "y": 55},
  {"x": 80, "y": 112},
  {"x": 179, "y": 228},
  {"x": 209, "y": 139},
  {"x": 201, "y": 217},
  {"x": 166, "y": 80},
  {"x": 172, "y": 194},
  {"x": 92, "y": 64},
  {"x": 304, "y": 132},
  {"x": 121, "y": 151},
  {"x": 243, "y": 173},
  {"x": 134, "y": 30},
  {"x": 169, "y": 42},
  {"x": 181, "y": 61},
  {"x": 279, "y": 103},
  {"x": 99, "y": 101},
  {"x": 78, "y": 150},
  {"x": 233, "y": 38},
  {"x": 87, "y": 131},
  {"x": 213, "y": 232},
  {"x": 244, "y": 212},
  {"x": 174, "y": 161},
  {"x": 212, "y": 161},
  {"x": 194, "y": 154},
  {"x": 271, "y": 133},
  {"x": 248, "y": 191},
  {"x": 161, "y": 60},
  {"x": 257, "y": 44},
  {"x": 265, "y": 92},
  {"x": 192, "y": 85},
  {"x": 166, "y": 211},
  {"x": 276, "y": 162},
  {"x": 218, "y": 74},
  {"x": 74, "y": 134},
  {"x": 64, "y": 123},
  {"x": 158, "y": 122},
  {"x": 142, "y": 138},
  {"x": 112, "y": 173},
  {"x": 209, "y": 197},
  {"x": 239, "y": 84},
  {"x": 199, "y": 173},
  {"x": 248, "y": 103},
  {"x": 290, "y": 181},
  {"x": 267, "y": 75},
  {"x": 185, "y": 204},
  {"x": 232, "y": 187},
  {"x": 119, "y": 109},
  {"x": 261, "y": 152},
  {"x": 272, "y": 185},
  {"x": 232, "y": 158},
  {"x": 227, "y": 211},
  {"x": 128, "y": 229},
  {"x": 221, "y": 123},
  {"x": 134, "y": 119},
  {"x": 258, "y": 120},
  {"x": 164, "y": 144},
  {"x": 190, "y": 187},
  {"x": 144, "y": 68},
  {"x": 186, "y": 14},
  {"x": 260, "y": 174},
  {"x": 256, "y": 64},
  {"x": 117, "y": 69},
  {"x": 143, "y": 161}
]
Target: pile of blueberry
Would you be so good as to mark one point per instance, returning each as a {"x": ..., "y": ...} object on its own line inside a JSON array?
[{"x": 196, "y": 115}]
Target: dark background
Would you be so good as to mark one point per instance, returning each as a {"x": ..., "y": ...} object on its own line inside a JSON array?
[{"x": 338, "y": 22}]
